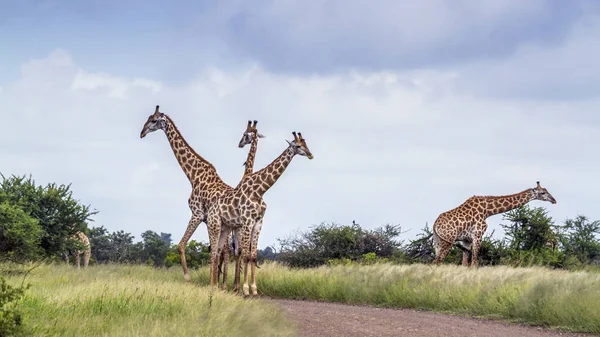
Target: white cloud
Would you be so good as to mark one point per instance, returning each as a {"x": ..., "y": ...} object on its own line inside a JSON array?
[{"x": 389, "y": 147}]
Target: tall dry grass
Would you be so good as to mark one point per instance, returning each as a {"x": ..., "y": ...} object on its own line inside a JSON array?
[
  {"x": 539, "y": 296},
  {"x": 122, "y": 300}
]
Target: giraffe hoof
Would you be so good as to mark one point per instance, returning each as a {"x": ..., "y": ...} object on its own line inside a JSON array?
[
  {"x": 254, "y": 292},
  {"x": 246, "y": 292},
  {"x": 187, "y": 278}
]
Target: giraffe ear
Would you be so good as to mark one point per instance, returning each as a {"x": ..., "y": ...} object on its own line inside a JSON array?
[
  {"x": 260, "y": 135},
  {"x": 289, "y": 143}
]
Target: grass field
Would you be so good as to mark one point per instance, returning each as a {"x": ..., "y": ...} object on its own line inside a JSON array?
[
  {"x": 114, "y": 300},
  {"x": 138, "y": 301},
  {"x": 538, "y": 296}
]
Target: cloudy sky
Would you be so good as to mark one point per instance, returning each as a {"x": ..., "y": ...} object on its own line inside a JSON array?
[{"x": 408, "y": 107}]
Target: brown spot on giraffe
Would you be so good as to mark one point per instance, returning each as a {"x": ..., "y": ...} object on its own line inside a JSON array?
[{"x": 466, "y": 227}]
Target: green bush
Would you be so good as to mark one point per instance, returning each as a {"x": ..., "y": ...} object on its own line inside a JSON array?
[
  {"x": 10, "y": 317},
  {"x": 20, "y": 234}
]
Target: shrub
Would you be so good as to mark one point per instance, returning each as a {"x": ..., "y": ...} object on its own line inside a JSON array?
[{"x": 10, "y": 317}]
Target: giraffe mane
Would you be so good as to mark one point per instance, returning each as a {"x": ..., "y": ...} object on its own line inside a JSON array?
[{"x": 501, "y": 196}]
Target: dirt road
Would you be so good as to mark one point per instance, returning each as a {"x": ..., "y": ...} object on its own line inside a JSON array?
[{"x": 331, "y": 319}]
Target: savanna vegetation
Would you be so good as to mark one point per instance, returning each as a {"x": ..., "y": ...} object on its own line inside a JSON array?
[
  {"x": 539, "y": 272},
  {"x": 134, "y": 300}
]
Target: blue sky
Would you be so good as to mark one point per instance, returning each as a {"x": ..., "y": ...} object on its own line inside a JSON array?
[{"x": 409, "y": 108}]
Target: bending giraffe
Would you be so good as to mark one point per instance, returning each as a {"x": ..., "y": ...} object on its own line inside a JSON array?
[
  {"x": 243, "y": 209},
  {"x": 466, "y": 223},
  {"x": 207, "y": 185},
  {"x": 82, "y": 239}
]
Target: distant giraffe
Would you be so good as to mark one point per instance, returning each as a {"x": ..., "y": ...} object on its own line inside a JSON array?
[
  {"x": 242, "y": 210},
  {"x": 466, "y": 223},
  {"x": 552, "y": 241},
  {"x": 85, "y": 241}
]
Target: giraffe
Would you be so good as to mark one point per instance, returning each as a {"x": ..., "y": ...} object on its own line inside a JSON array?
[
  {"x": 250, "y": 136},
  {"x": 552, "y": 241},
  {"x": 466, "y": 223},
  {"x": 207, "y": 185},
  {"x": 242, "y": 210},
  {"x": 85, "y": 241}
]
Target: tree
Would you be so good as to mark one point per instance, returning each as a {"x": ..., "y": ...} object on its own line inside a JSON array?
[
  {"x": 53, "y": 206},
  {"x": 100, "y": 242},
  {"x": 166, "y": 238},
  {"x": 528, "y": 234},
  {"x": 327, "y": 242},
  {"x": 20, "y": 234},
  {"x": 579, "y": 239},
  {"x": 154, "y": 248},
  {"x": 421, "y": 249},
  {"x": 121, "y": 246},
  {"x": 529, "y": 228},
  {"x": 196, "y": 254}
]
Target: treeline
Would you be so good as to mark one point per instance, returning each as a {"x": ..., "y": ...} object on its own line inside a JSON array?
[
  {"x": 154, "y": 249},
  {"x": 531, "y": 237},
  {"x": 38, "y": 222}
]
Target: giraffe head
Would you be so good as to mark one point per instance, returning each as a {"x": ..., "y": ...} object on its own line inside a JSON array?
[
  {"x": 540, "y": 193},
  {"x": 298, "y": 145},
  {"x": 249, "y": 134},
  {"x": 156, "y": 121}
]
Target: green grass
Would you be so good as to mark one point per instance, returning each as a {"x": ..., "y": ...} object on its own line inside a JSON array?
[
  {"x": 538, "y": 296},
  {"x": 138, "y": 301}
]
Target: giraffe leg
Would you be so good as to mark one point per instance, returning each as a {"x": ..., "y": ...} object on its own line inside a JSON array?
[
  {"x": 442, "y": 249},
  {"x": 219, "y": 244},
  {"x": 66, "y": 257},
  {"x": 225, "y": 257},
  {"x": 191, "y": 228},
  {"x": 237, "y": 253},
  {"x": 246, "y": 233},
  {"x": 465, "y": 258},
  {"x": 475, "y": 251},
  {"x": 78, "y": 259},
  {"x": 466, "y": 247},
  {"x": 253, "y": 253},
  {"x": 86, "y": 257},
  {"x": 477, "y": 237}
]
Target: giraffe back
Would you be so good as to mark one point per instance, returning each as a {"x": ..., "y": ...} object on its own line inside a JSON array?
[{"x": 462, "y": 219}]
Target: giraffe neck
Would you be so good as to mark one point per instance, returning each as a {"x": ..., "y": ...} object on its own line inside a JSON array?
[
  {"x": 251, "y": 156},
  {"x": 193, "y": 165},
  {"x": 501, "y": 204},
  {"x": 267, "y": 177}
]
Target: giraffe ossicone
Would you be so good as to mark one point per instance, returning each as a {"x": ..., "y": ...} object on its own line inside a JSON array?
[{"x": 466, "y": 224}]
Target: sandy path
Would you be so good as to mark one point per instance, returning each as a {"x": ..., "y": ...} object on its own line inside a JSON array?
[{"x": 332, "y": 319}]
